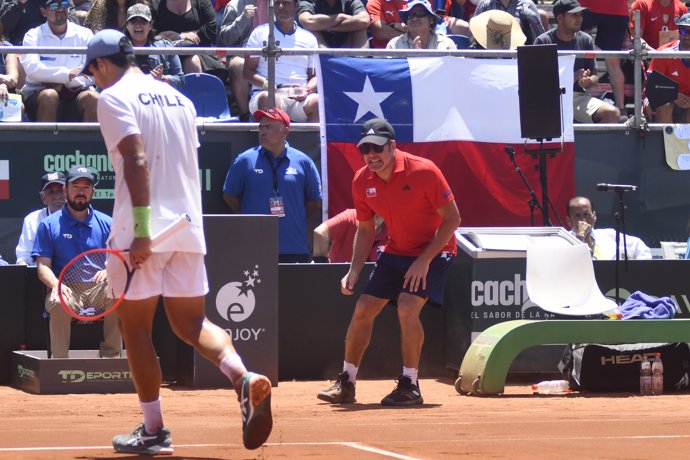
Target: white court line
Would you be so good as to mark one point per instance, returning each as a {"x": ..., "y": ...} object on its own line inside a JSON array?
[{"x": 354, "y": 445}]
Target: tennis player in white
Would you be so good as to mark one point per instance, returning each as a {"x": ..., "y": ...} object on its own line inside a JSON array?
[{"x": 150, "y": 133}]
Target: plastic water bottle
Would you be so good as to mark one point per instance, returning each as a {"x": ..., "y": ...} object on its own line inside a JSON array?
[
  {"x": 645, "y": 377},
  {"x": 657, "y": 375},
  {"x": 292, "y": 91},
  {"x": 551, "y": 386}
]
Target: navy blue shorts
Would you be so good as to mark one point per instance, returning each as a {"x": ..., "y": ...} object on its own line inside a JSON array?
[
  {"x": 387, "y": 278},
  {"x": 611, "y": 29}
]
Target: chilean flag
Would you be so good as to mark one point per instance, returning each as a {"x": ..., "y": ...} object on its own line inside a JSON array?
[
  {"x": 460, "y": 113},
  {"x": 4, "y": 179}
]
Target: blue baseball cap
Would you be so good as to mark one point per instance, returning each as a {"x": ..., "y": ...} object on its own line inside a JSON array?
[{"x": 106, "y": 43}]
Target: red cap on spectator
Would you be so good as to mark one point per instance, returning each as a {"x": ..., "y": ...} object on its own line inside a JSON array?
[{"x": 274, "y": 113}]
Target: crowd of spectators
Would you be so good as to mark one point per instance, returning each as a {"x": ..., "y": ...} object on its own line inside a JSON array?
[{"x": 51, "y": 81}]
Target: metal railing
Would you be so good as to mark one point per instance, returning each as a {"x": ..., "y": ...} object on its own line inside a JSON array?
[{"x": 273, "y": 52}]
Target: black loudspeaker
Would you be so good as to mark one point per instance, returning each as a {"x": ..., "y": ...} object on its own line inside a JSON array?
[{"x": 539, "y": 91}]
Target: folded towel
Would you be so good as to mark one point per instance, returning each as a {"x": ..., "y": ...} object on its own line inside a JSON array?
[{"x": 645, "y": 306}]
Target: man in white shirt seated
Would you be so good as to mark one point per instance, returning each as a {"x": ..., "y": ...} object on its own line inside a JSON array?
[
  {"x": 53, "y": 197},
  {"x": 581, "y": 218}
]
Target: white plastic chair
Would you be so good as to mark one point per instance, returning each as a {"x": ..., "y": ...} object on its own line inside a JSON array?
[
  {"x": 673, "y": 250},
  {"x": 561, "y": 280}
]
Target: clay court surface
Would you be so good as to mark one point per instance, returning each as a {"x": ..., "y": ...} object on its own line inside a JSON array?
[{"x": 206, "y": 425}]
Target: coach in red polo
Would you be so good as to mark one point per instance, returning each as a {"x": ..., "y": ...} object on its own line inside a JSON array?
[{"x": 415, "y": 201}]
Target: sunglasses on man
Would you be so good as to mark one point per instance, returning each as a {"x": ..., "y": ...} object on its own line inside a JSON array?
[
  {"x": 417, "y": 14},
  {"x": 364, "y": 149},
  {"x": 64, "y": 5}
]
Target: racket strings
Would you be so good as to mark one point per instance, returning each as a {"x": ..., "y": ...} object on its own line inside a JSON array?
[{"x": 84, "y": 287}]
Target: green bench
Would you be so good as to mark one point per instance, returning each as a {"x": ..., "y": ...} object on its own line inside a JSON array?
[{"x": 484, "y": 369}]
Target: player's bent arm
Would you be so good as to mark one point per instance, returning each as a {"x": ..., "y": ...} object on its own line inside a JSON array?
[
  {"x": 321, "y": 240},
  {"x": 45, "y": 273},
  {"x": 451, "y": 220},
  {"x": 249, "y": 71},
  {"x": 233, "y": 202}
]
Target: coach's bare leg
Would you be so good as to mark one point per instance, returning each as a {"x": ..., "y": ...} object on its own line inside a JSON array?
[
  {"x": 47, "y": 105},
  {"x": 359, "y": 332},
  {"x": 87, "y": 101},
  {"x": 136, "y": 323},
  {"x": 411, "y": 330}
]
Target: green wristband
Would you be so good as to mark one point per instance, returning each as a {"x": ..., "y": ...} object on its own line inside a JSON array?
[{"x": 142, "y": 221}]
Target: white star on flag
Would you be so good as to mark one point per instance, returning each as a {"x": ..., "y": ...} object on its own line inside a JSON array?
[{"x": 368, "y": 100}]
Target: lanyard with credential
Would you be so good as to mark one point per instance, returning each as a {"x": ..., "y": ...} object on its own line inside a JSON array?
[{"x": 275, "y": 203}]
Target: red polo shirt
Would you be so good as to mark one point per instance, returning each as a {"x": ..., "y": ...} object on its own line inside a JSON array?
[
  {"x": 614, "y": 7},
  {"x": 407, "y": 203}
]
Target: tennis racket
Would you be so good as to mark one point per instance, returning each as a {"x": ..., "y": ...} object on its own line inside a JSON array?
[{"x": 83, "y": 286}]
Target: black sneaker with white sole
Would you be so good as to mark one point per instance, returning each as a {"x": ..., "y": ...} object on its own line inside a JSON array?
[
  {"x": 342, "y": 391},
  {"x": 404, "y": 394},
  {"x": 142, "y": 443}
]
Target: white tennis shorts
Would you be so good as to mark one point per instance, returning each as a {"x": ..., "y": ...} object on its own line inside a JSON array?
[{"x": 170, "y": 274}]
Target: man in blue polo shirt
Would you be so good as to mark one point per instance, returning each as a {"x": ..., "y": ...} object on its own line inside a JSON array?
[
  {"x": 59, "y": 238},
  {"x": 276, "y": 179}
]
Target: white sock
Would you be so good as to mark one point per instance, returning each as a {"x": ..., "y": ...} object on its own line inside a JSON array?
[
  {"x": 233, "y": 367},
  {"x": 153, "y": 417},
  {"x": 351, "y": 370},
  {"x": 412, "y": 373}
]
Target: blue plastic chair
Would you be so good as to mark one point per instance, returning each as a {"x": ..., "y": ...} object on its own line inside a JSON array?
[
  {"x": 462, "y": 42},
  {"x": 207, "y": 93}
]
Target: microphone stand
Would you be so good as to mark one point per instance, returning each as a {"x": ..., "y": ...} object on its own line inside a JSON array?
[
  {"x": 620, "y": 228},
  {"x": 534, "y": 201}
]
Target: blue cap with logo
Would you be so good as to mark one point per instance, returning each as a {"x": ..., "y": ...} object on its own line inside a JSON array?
[{"x": 107, "y": 42}]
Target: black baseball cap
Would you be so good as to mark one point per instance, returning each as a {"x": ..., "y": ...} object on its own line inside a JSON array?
[
  {"x": 567, "y": 6},
  {"x": 376, "y": 131},
  {"x": 52, "y": 178}
]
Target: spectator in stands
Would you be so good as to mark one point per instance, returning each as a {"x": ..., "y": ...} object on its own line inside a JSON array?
[
  {"x": 335, "y": 23},
  {"x": 658, "y": 19},
  {"x": 384, "y": 21},
  {"x": 679, "y": 71},
  {"x": 189, "y": 23},
  {"x": 9, "y": 72},
  {"x": 109, "y": 14},
  {"x": 611, "y": 19},
  {"x": 163, "y": 67},
  {"x": 496, "y": 30},
  {"x": 240, "y": 19},
  {"x": 276, "y": 179},
  {"x": 568, "y": 36},
  {"x": 525, "y": 11},
  {"x": 53, "y": 197},
  {"x": 334, "y": 238},
  {"x": 295, "y": 75},
  {"x": 54, "y": 89},
  {"x": 581, "y": 218},
  {"x": 19, "y": 16},
  {"x": 420, "y": 22},
  {"x": 81, "y": 10},
  {"x": 61, "y": 237}
]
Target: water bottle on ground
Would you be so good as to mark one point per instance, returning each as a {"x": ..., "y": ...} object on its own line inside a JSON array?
[
  {"x": 551, "y": 386},
  {"x": 657, "y": 375},
  {"x": 645, "y": 377}
]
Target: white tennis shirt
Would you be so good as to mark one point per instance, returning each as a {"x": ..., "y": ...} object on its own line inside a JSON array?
[{"x": 165, "y": 119}]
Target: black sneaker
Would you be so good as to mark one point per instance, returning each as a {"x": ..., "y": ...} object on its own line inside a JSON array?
[
  {"x": 142, "y": 443},
  {"x": 405, "y": 394},
  {"x": 342, "y": 391},
  {"x": 255, "y": 402}
]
